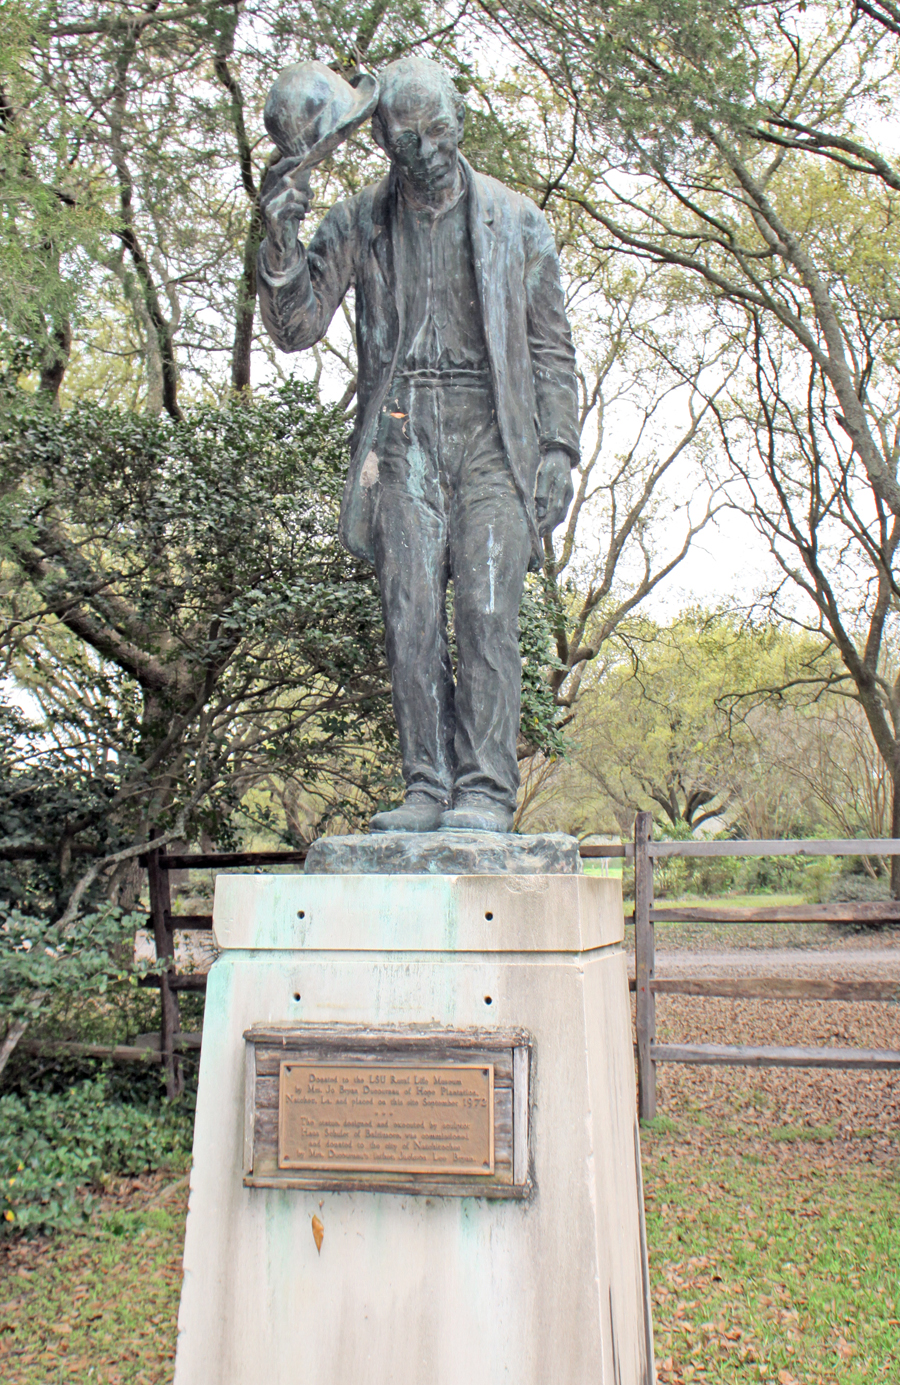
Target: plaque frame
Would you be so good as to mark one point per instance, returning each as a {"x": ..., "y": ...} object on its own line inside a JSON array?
[{"x": 510, "y": 1052}]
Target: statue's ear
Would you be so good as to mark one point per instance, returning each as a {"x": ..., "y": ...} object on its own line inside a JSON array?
[
  {"x": 461, "y": 119},
  {"x": 378, "y": 134}
]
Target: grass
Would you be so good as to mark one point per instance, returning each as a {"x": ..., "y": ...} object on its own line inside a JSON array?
[
  {"x": 818, "y": 1134},
  {"x": 730, "y": 901},
  {"x": 767, "y": 1272},
  {"x": 724, "y": 936},
  {"x": 776, "y": 1271},
  {"x": 606, "y": 867},
  {"x": 98, "y": 1306}
]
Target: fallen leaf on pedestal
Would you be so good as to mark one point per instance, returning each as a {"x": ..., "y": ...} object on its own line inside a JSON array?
[{"x": 318, "y": 1231}]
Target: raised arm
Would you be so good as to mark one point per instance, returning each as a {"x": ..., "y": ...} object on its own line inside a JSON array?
[{"x": 300, "y": 289}]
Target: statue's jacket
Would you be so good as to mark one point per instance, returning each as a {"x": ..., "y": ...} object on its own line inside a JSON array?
[{"x": 528, "y": 338}]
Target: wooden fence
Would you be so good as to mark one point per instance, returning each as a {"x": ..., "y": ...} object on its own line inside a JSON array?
[
  {"x": 647, "y": 986},
  {"x": 163, "y": 924}
]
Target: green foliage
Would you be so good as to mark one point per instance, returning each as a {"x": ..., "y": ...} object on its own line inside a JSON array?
[
  {"x": 188, "y": 620},
  {"x": 665, "y": 79},
  {"x": 818, "y": 880},
  {"x": 57, "y": 1149},
  {"x": 123, "y": 218},
  {"x": 45, "y": 227},
  {"x": 743, "y": 150},
  {"x": 185, "y": 619},
  {"x": 41, "y": 789},
  {"x": 712, "y": 877},
  {"x": 846, "y": 888},
  {"x": 42, "y": 960},
  {"x": 540, "y": 719},
  {"x": 659, "y": 86},
  {"x": 212, "y": 528},
  {"x": 673, "y": 723}
]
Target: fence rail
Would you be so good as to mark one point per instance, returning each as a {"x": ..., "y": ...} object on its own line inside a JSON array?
[
  {"x": 860, "y": 911},
  {"x": 735, "y": 1055},
  {"x": 843, "y": 846}
]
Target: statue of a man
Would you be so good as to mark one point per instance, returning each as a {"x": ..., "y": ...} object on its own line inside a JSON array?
[{"x": 466, "y": 430}]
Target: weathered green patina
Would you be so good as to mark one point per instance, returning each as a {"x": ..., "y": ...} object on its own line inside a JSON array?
[{"x": 466, "y": 429}]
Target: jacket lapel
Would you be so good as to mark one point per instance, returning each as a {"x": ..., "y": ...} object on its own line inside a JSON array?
[
  {"x": 395, "y": 247},
  {"x": 484, "y": 250}
]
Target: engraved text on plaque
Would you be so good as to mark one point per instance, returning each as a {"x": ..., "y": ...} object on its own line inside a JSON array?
[{"x": 386, "y": 1117}]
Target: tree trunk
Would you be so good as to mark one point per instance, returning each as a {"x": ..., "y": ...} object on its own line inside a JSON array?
[
  {"x": 161, "y": 917},
  {"x": 13, "y": 1035},
  {"x": 56, "y": 358},
  {"x": 895, "y": 833},
  {"x": 246, "y": 306}
]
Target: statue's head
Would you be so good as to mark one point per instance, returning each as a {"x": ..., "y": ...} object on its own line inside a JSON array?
[{"x": 419, "y": 123}]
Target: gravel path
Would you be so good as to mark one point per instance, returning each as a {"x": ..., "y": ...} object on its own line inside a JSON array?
[{"x": 839, "y": 963}]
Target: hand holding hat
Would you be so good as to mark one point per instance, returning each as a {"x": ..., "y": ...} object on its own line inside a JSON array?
[{"x": 309, "y": 111}]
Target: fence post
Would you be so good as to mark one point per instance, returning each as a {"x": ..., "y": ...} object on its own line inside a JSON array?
[
  {"x": 161, "y": 917},
  {"x": 645, "y": 966}
]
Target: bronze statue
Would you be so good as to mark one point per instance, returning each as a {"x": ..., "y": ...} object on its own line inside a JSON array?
[{"x": 466, "y": 430}]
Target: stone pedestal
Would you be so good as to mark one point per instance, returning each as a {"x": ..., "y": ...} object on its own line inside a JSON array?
[
  {"x": 445, "y": 853},
  {"x": 547, "y": 1288}
]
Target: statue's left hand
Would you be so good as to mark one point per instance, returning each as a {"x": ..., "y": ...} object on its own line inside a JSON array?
[{"x": 553, "y": 490}]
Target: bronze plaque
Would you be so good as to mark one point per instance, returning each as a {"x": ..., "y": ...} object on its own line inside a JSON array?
[{"x": 387, "y": 1117}]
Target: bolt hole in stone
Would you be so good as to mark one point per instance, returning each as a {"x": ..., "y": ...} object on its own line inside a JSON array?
[
  {"x": 488, "y": 1000},
  {"x": 489, "y": 916},
  {"x": 301, "y": 913},
  {"x": 296, "y": 995}
]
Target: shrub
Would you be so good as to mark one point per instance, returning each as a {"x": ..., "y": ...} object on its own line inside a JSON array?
[
  {"x": 57, "y": 1149},
  {"x": 818, "y": 880},
  {"x": 848, "y": 888}
]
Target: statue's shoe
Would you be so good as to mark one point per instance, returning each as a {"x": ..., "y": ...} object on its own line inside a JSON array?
[
  {"x": 420, "y": 813},
  {"x": 477, "y": 813}
]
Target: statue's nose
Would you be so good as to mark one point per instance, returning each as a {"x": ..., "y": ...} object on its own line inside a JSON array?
[{"x": 427, "y": 146}]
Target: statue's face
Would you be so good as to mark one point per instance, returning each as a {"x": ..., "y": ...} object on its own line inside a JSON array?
[{"x": 422, "y": 136}]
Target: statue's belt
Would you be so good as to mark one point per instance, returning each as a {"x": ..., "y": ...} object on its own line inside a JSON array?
[{"x": 451, "y": 376}]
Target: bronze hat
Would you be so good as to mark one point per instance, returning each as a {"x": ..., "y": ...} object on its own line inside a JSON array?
[{"x": 311, "y": 109}]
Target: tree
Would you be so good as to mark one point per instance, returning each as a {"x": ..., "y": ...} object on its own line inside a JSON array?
[
  {"x": 827, "y": 757},
  {"x": 833, "y": 539},
  {"x": 133, "y": 154},
  {"x": 738, "y": 144},
  {"x": 674, "y": 724},
  {"x": 180, "y": 610},
  {"x": 692, "y": 123}
]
